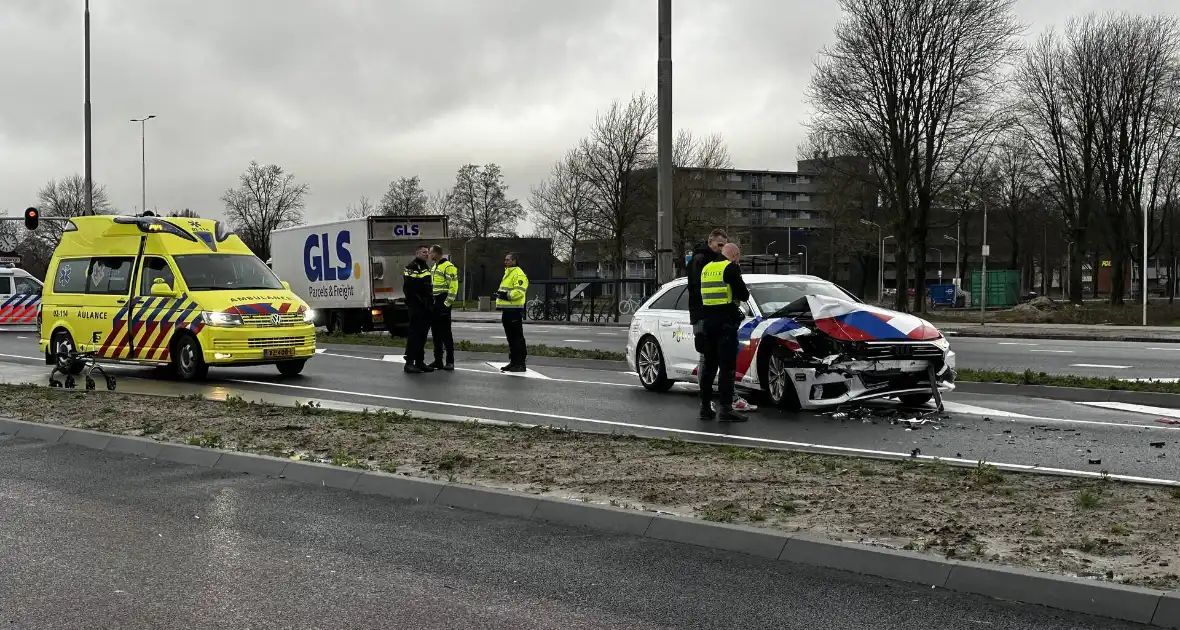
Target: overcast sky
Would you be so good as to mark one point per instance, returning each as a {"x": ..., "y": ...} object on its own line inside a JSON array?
[{"x": 348, "y": 94}]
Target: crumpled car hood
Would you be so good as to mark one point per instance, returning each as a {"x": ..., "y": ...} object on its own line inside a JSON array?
[{"x": 850, "y": 321}]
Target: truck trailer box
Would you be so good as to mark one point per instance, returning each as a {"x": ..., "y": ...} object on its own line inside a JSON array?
[{"x": 350, "y": 271}]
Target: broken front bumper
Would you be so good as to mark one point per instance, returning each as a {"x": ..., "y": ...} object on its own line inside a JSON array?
[{"x": 858, "y": 381}]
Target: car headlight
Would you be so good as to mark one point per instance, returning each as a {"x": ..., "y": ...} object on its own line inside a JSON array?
[
  {"x": 942, "y": 344},
  {"x": 309, "y": 316},
  {"x": 218, "y": 318}
]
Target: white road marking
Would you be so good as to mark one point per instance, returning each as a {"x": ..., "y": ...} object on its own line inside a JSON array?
[
  {"x": 320, "y": 350},
  {"x": 389, "y": 358},
  {"x": 1054, "y": 351},
  {"x": 607, "y": 334},
  {"x": 1155, "y": 349},
  {"x": 499, "y": 337},
  {"x": 997, "y": 413},
  {"x": 528, "y": 373},
  {"x": 21, "y": 337},
  {"x": 397, "y": 358},
  {"x": 18, "y": 356},
  {"x": 1016, "y": 343},
  {"x": 1143, "y": 409},
  {"x": 1099, "y": 365},
  {"x": 781, "y": 443},
  {"x": 575, "y": 341}
]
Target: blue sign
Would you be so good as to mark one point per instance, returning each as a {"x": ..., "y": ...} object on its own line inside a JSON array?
[
  {"x": 317, "y": 257},
  {"x": 410, "y": 229}
]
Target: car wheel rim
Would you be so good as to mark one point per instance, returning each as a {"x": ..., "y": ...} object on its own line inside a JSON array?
[
  {"x": 187, "y": 357},
  {"x": 649, "y": 362},
  {"x": 63, "y": 348},
  {"x": 777, "y": 378}
]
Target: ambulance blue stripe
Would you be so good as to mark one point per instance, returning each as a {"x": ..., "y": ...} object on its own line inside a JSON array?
[
  {"x": 143, "y": 306},
  {"x": 185, "y": 314},
  {"x": 175, "y": 305},
  {"x": 156, "y": 313}
]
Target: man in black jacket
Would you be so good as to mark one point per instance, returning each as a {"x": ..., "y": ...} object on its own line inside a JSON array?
[
  {"x": 721, "y": 289},
  {"x": 418, "y": 288},
  {"x": 705, "y": 253}
]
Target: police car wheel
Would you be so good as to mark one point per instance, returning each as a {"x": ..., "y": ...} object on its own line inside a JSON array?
[
  {"x": 915, "y": 400},
  {"x": 188, "y": 362},
  {"x": 649, "y": 363},
  {"x": 780, "y": 387},
  {"x": 63, "y": 345}
]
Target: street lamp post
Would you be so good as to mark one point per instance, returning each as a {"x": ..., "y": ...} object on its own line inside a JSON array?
[
  {"x": 939, "y": 263},
  {"x": 1068, "y": 270},
  {"x": 806, "y": 256},
  {"x": 957, "y": 257},
  {"x": 465, "y": 276},
  {"x": 984, "y": 250},
  {"x": 89, "y": 194},
  {"x": 880, "y": 262},
  {"x": 143, "y": 159},
  {"x": 768, "y": 246}
]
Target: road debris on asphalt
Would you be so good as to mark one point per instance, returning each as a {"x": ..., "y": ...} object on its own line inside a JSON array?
[{"x": 910, "y": 419}]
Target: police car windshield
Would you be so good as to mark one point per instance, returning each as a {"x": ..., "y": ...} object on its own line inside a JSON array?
[
  {"x": 225, "y": 272},
  {"x": 774, "y": 297}
]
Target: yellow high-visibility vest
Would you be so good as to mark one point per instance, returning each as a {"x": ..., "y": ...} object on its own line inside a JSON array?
[
  {"x": 516, "y": 283},
  {"x": 445, "y": 279},
  {"x": 714, "y": 290}
]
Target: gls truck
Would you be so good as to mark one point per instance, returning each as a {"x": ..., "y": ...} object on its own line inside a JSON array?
[{"x": 350, "y": 272}]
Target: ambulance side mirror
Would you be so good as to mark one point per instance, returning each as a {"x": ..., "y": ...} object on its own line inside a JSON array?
[
  {"x": 161, "y": 289},
  {"x": 286, "y": 285}
]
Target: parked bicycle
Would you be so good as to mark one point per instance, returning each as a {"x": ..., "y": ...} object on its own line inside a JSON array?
[
  {"x": 535, "y": 310},
  {"x": 630, "y": 305}
]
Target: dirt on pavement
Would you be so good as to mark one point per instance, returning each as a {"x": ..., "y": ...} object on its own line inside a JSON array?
[{"x": 1091, "y": 528}]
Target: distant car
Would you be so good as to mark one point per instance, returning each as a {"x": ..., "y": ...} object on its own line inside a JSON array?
[{"x": 805, "y": 342}]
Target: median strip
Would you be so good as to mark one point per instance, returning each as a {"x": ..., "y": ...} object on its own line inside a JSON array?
[
  {"x": 1042, "y": 379},
  {"x": 1100, "y": 529},
  {"x": 539, "y": 350}
]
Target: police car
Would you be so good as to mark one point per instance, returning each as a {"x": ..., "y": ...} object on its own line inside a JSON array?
[
  {"x": 804, "y": 342},
  {"x": 20, "y": 296}
]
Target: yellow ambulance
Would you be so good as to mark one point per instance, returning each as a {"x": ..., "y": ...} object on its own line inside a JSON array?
[{"x": 178, "y": 292}]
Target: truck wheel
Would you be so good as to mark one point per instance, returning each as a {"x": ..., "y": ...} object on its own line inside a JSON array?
[
  {"x": 350, "y": 323},
  {"x": 188, "y": 362},
  {"x": 291, "y": 368}
]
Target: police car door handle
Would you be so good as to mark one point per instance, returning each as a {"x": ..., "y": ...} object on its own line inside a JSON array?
[{"x": 665, "y": 323}]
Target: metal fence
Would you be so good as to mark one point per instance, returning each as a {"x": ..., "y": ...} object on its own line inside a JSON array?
[{"x": 587, "y": 299}]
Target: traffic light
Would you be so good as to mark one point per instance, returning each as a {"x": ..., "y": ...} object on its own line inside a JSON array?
[{"x": 31, "y": 218}]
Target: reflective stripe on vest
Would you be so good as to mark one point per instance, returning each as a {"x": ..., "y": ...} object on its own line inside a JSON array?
[
  {"x": 445, "y": 279},
  {"x": 714, "y": 290}
]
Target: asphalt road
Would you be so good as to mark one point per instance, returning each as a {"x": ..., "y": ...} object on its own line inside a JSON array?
[
  {"x": 95, "y": 540},
  {"x": 1002, "y": 430},
  {"x": 1084, "y": 358}
]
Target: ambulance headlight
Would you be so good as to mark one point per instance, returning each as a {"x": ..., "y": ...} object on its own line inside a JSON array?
[
  {"x": 217, "y": 318},
  {"x": 309, "y": 316}
]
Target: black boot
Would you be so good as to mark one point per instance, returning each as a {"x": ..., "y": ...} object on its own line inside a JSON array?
[
  {"x": 437, "y": 365},
  {"x": 707, "y": 411},
  {"x": 425, "y": 368},
  {"x": 727, "y": 414},
  {"x": 519, "y": 367},
  {"x": 412, "y": 368},
  {"x": 449, "y": 366}
]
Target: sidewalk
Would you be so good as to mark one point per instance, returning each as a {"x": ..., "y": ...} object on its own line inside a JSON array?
[
  {"x": 494, "y": 316},
  {"x": 1081, "y": 332}
]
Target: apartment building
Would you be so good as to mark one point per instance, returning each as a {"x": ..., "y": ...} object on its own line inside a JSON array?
[{"x": 746, "y": 202}]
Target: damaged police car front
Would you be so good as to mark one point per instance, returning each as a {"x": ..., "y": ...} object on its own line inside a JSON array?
[{"x": 805, "y": 342}]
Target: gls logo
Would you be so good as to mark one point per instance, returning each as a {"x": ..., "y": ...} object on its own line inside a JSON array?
[
  {"x": 406, "y": 230},
  {"x": 317, "y": 258}
]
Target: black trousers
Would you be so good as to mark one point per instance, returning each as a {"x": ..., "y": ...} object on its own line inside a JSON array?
[
  {"x": 416, "y": 342},
  {"x": 719, "y": 347},
  {"x": 440, "y": 331},
  {"x": 513, "y": 320}
]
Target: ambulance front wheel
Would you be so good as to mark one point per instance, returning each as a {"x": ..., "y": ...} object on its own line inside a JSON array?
[
  {"x": 188, "y": 362},
  {"x": 292, "y": 368},
  {"x": 61, "y": 345}
]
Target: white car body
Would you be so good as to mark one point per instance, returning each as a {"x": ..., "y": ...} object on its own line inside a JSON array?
[{"x": 867, "y": 352}]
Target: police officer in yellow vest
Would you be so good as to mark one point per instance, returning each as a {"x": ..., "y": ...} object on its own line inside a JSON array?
[
  {"x": 444, "y": 277},
  {"x": 510, "y": 300},
  {"x": 722, "y": 288}
]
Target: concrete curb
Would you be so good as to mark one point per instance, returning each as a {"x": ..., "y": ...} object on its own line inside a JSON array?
[
  {"x": 978, "y": 333},
  {"x": 1103, "y": 599},
  {"x": 1071, "y": 394}
]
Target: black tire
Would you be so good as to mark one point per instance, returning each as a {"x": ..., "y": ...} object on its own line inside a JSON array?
[
  {"x": 649, "y": 364},
  {"x": 915, "y": 400},
  {"x": 778, "y": 384},
  {"x": 350, "y": 323},
  {"x": 291, "y": 368},
  {"x": 188, "y": 362},
  {"x": 329, "y": 322},
  {"x": 60, "y": 345}
]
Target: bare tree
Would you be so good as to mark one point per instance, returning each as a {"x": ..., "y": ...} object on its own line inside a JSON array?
[
  {"x": 66, "y": 197},
  {"x": 439, "y": 203},
  {"x": 404, "y": 198},
  {"x": 362, "y": 209},
  {"x": 561, "y": 206},
  {"x": 479, "y": 203},
  {"x": 911, "y": 85},
  {"x": 265, "y": 200},
  {"x": 621, "y": 141},
  {"x": 696, "y": 198},
  {"x": 184, "y": 213}
]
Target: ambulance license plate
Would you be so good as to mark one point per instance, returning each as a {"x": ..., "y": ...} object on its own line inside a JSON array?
[{"x": 278, "y": 353}]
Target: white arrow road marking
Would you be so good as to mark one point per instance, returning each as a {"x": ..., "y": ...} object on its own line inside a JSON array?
[
  {"x": 392, "y": 358},
  {"x": 1144, "y": 409},
  {"x": 320, "y": 350},
  {"x": 1098, "y": 365},
  {"x": 527, "y": 373}
]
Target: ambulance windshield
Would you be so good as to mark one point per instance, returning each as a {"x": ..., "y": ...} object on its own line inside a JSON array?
[{"x": 225, "y": 272}]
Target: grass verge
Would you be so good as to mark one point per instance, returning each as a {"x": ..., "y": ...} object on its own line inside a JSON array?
[
  {"x": 1097, "y": 528},
  {"x": 539, "y": 350},
  {"x": 1029, "y": 377}
]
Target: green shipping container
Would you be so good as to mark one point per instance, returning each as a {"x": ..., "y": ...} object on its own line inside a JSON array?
[{"x": 1003, "y": 288}]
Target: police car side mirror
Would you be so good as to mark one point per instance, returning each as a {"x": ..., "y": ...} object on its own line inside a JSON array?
[
  {"x": 286, "y": 285},
  {"x": 161, "y": 289}
]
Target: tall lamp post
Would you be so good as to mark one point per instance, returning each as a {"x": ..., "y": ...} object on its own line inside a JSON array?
[
  {"x": 89, "y": 195},
  {"x": 805, "y": 257},
  {"x": 880, "y": 262},
  {"x": 939, "y": 262},
  {"x": 465, "y": 276},
  {"x": 143, "y": 159},
  {"x": 957, "y": 256}
]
